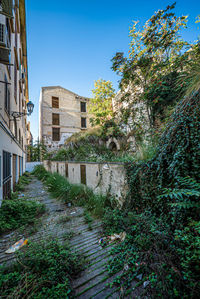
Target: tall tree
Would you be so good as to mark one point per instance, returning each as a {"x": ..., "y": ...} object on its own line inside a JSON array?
[
  {"x": 156, "y": 50},
  {"x": 100, "y": 106}
]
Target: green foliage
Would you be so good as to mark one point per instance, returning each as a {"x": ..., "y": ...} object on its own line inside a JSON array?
[
  {"x": 15, "y": 213},
  {"x": 177, "y": 156},
  {"x": 63, "y": 155},
  {"x": 167, "y": 189},
  {"x": 192, "y": 74},
  {"x": 91, "y": 145},
  {"x": 152, "y": 252},
  {"x": 88, "y": 219},
  {"x": 24, "y": 180},
  {"x": 164, "y": 92},
  {"x": 146, "y": 151},
  {"x": 79, "y": 195},
  {"x": 40, "y": 172},
  {"x": 100, "y": 106},
  {"x": 192, "y": 190},
  {"x": 156, "y": 59},
  {"x": 37, "y": 151},
  {"x": 44, "y": 270}
]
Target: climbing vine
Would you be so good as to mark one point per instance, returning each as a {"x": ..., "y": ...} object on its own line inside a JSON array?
[{"x": 161, "y": 214}]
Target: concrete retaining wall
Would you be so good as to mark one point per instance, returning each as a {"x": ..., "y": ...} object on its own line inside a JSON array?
[{"x": 100, "y": 177}]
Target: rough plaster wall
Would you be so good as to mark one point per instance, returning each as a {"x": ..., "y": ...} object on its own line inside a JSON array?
[
  {"x": 93, "y": 175},
  {"x": 61, "y": 168},
  {"x": 54, "y": 167},
  {"x": 69, "y": 111},
  {"x": 101, "y": 178},
  {"x": 74, "y": 175}
]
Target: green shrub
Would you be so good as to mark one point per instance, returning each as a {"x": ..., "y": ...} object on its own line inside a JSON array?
[
  {"x": 40, "y": 172},
  {"x": 169, "y": 261},
  {"x": 164, "y": 199},
  {"x": 24, "y": 180},
  {"x": 15, "y": 213},
  {"x": 43, "y": 270},
  {"x": 73, "y": 193}
]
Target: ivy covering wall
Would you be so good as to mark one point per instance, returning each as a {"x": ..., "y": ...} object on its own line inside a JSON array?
[{"x": 178, "y": 156}]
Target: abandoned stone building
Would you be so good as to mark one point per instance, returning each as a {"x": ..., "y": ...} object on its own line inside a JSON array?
[{"x": 62, "y": 113}]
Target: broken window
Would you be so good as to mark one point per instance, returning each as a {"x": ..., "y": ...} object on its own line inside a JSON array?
[
  {"x": 55, "y": 102},
  {"x": 56, "y": 134}
]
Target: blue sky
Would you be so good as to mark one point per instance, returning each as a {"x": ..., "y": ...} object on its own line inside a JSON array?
[{"x": 71, "y": 43}]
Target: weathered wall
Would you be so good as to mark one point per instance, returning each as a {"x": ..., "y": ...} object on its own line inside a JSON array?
[
  {"x": 69, "y": 112},
  {"x": 100, "y": 177},
  {"x": 13, "y": 134}
]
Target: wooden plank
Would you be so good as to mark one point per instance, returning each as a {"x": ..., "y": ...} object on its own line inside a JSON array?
[
  {"x": 83, "y": 174},
  {"x": 66, "y": 170}
]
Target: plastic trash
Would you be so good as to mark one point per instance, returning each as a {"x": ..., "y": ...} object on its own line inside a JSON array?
[
  {"x": 17, "y": 246},
  {"x": 102, "y": 242},
  {"x": 146, "y": 283},
  {"x": 126, "y": 267},
  {"x": 121, "y": 237},
  {"x": 69, "y": 204},
  {"x": 139, "y": 276}
]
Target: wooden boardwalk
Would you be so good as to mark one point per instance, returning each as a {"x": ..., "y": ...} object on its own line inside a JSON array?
[{"x": 94, "y": 281}]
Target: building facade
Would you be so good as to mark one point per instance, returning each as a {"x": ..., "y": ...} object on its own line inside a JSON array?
[
  {"x": 62, "y": 113},
  {"x": 13, "y": 94}
]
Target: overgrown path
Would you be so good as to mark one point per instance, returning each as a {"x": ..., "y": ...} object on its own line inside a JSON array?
[{"x": 68, "y": 223}]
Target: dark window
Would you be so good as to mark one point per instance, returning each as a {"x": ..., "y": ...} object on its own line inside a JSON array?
[
  {"x": 83, "y": 122},
  {"x": 7, "y": 97},
  {"x": 6, "y": 175},
  {"x": 56, "y": 134},
  {"x": 55, "y": 102},
  {"x": 8, "y": 31},
  {"x": 83, "y": 107},
  {"x": 55, "y": 119},
  {"x": 2, "y": 33},
  {"x": 6, "y": 165}
]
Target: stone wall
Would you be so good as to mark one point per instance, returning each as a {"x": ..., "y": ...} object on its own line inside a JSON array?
[
  {"x": 100, "y": 177},
  {"x": 69, "y": 115}
]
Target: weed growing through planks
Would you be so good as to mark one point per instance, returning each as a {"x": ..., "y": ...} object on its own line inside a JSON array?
[{"x": 43, "y": 270}]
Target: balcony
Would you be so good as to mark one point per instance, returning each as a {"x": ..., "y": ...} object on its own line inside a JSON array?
[{"x": 6, "y": 8}]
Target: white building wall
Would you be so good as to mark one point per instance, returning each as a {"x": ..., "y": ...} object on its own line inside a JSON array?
[
  {"x": 9, "y": 145},
  {"x": 9, "y": 132}
]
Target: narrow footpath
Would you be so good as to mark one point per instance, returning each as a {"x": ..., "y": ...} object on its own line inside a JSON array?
[{"x": 94, "y": 281}]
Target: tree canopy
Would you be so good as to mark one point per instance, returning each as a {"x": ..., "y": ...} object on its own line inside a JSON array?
[
  {"x": 100, "y": 106},
  {"x": 156, "y": 54}
]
